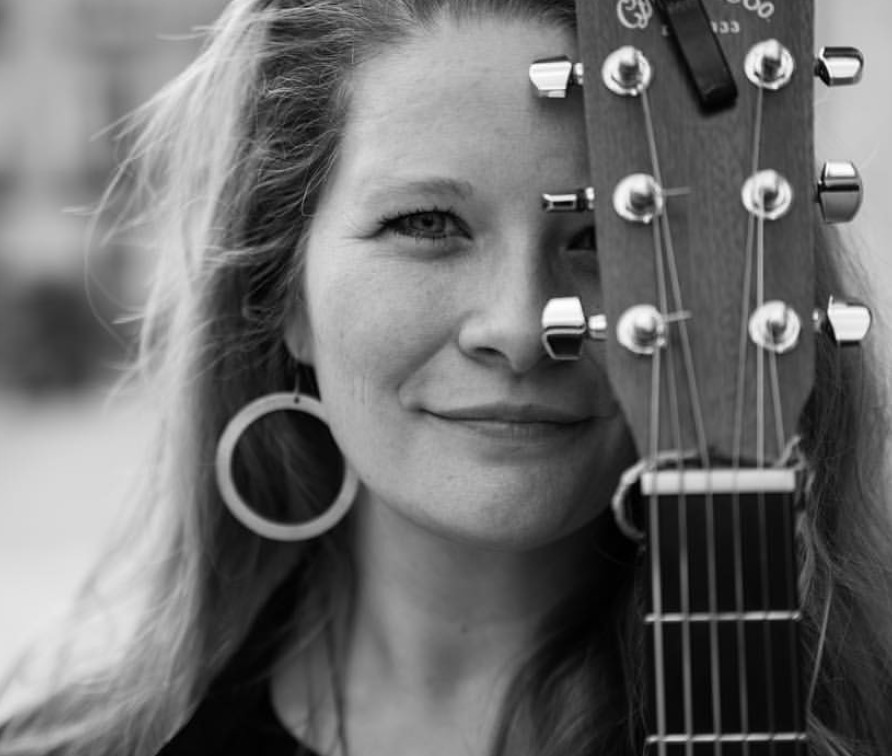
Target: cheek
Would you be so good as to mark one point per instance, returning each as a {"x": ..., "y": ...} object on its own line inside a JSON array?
[{"x": 371, "y": 323}]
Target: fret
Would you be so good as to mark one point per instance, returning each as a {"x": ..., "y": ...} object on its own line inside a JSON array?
[
  {"x": 733, "y": 737},
  {"x": 776, "y": 616}
]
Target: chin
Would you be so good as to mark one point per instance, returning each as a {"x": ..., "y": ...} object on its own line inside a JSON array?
[{"x": 516, "y": 525}]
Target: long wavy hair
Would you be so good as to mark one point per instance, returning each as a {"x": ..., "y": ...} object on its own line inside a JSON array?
[{"x": 230, "y": 160}]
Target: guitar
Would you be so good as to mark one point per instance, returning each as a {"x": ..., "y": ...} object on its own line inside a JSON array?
[{"x": 699, "y": 121}]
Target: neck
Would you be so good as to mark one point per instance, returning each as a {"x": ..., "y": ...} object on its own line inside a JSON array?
[
  {"x": 433, "y": 616},
  {"x": 437, "y": 629}
]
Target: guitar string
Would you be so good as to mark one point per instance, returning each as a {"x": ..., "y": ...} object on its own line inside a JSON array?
[
  {"x": 672, "y": 266},
  {"x": 776, "y": 402},
  {"x": 793, "y": 603},
  {"x": 656, "y": 585},
  {"x": 773, "y": 384},
  {"x": 768, "y": 698},
  {"x": 687, "y": 352},
  {"x": 663, "y": 245},
  {"x": 709, "y": 500},
  {"x": 765, "y": 588},
  {"x": 767, "y": 665},
  {"x": 743, "y": 352},
  {"x": 760, "y": 353},
  {"x": 737, "y": 541},
  {"x": 684, "y": 577},
  {"x": 743, "y": 343},
  {"x": 700, "y": 434},
  {"x": 654, "y": 511}
]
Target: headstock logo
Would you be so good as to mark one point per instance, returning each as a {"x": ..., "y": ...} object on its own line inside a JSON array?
[
  {"x": 634, "y": 14},
  {"x": 762, "y": 8}
]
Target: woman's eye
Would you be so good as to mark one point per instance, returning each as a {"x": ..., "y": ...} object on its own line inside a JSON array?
[{"x": 430, "y": 225}]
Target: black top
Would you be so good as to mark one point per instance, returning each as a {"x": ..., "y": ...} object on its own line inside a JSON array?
[
  {"x": 236, "y": 725},
  {"x": 236, "y": 716}
]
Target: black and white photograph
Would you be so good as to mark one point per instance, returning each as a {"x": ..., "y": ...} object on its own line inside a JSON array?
[{"x": 445, "y": 378}]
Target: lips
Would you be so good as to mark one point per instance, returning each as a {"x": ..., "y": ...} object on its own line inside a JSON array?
[
  {"x": 505, "y": 413},
  {"x": 513, "y": 423},
  {"x": 530, "y": 425}
]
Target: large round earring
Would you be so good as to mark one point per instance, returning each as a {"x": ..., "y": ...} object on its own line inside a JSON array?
[{"x": 277, "y": 531}]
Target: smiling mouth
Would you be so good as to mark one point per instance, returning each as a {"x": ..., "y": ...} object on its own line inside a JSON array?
[{"x": 530, "y": 426}]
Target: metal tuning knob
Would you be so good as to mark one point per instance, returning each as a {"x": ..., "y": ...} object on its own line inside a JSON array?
[
  {"x": 554, "y": 77},
  {"x": 769, "y": 65},
  {"x": 580, "y": 201},
  {"x": 775, "y": 327},
  {"x": 846, "y": 322},
  {"x": 839, "y": 192},
  {"x": 638, "y": 198},
  {"x": 565, "y": 328},
  {"x": 766, "y": 194},
  {"x": 839, "y": 66},
  {"x": 627, "y": 72},
  {"x": 643, "y": 329}
]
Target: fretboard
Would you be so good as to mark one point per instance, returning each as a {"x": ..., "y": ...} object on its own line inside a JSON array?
[{"x": 723, "y": 615}]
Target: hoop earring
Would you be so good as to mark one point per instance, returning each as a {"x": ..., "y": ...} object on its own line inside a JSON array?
[{"x": 262, "y": 526}]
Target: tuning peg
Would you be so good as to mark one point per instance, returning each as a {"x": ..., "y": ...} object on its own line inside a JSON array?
[
  {"x": 580, "y": 201},
  {"x": 553, "y": 77},
  {"x": 846, "y": 322},
  {"x": 770, "y": 65},
  {"x": 839, "y": 66},
  {"x": 627, "y": 72},
  {"x": 565, "y": 328},
  {"x": 840, "y": 192}
]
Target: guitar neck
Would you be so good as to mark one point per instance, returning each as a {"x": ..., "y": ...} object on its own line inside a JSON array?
[
  {"x": 722, "y": 618},
  {"x": 699, "y": 122}
]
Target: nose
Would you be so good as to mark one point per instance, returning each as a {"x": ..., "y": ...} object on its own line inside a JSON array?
[{"x": 503, "y": 326}]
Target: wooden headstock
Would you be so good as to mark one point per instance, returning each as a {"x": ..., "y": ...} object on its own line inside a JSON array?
[{"x": 706, "y": 218}]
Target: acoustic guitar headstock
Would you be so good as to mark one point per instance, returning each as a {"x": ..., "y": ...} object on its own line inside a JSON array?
[{"x": 699, "y": 121}]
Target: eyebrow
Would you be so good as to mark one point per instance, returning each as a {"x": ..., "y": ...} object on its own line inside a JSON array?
[{"x": 383, "y": 189}]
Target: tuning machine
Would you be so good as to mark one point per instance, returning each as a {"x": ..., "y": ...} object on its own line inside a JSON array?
[
  {"x": 846, "y": 322},
  {"x": 839, "y": 66},
  {"x": 770, "y": 65},
  {"x": 565, "y": 328},
  {"x": 839, "y": 192},
  {"x": 554, "y": 77},
  {"x": 578, "y": 201}
]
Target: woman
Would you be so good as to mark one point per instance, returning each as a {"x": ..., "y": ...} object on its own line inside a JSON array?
[{"x": 343, "y": 206}]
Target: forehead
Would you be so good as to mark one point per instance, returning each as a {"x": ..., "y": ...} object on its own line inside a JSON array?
[{"x": 458, "y": 97}]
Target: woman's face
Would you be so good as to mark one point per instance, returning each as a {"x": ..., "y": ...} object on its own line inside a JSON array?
[{"x": 428, "y": 265}]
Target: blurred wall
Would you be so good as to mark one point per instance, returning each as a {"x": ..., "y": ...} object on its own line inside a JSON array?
[
  {"x": 855, "y": 123},
  {"x": 68, "y": 70}
]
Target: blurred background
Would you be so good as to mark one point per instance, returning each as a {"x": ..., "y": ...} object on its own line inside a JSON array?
[{"x": 68, "y": 447}]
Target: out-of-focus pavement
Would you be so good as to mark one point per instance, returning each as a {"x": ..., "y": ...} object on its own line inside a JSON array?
[{"x": 66, "y": 466}]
